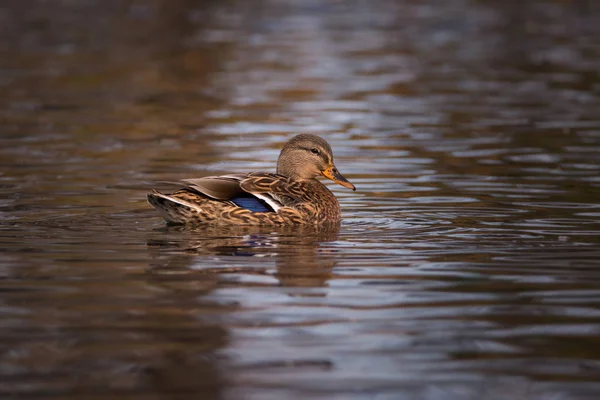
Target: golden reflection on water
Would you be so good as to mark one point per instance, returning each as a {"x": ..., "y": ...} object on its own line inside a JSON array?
[{"x": 295, "y": 252}]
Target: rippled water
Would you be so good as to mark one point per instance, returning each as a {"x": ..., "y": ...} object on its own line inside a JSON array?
[{"x": 466, "y": 267}]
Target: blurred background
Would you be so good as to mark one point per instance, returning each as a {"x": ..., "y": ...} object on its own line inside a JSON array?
[{"x": 466, "y": 266}]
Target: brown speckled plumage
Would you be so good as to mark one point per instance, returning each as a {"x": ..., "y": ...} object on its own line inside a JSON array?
[{"x": 292, "y": 196}]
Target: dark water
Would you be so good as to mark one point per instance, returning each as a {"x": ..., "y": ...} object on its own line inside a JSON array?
[{"x": 466, "y": 267}]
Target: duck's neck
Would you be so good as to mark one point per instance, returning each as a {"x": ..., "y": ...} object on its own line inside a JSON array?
[
  {"x": 289, "y": 169},
  {"x": 318, "y": 186}
]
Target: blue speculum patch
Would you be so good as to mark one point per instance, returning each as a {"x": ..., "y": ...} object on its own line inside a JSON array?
[{"x": 252, "y": 203}]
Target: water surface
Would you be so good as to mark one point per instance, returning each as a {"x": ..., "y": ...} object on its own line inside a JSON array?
[{"x": 466, "y": 266}]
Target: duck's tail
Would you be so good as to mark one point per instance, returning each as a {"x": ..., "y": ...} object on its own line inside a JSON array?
[{"x": 173, "y": 209}]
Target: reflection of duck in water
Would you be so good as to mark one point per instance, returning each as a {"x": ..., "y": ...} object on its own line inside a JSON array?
[
  {"x": 291, "y": 196},
  {"x": 301, "y": 258}
]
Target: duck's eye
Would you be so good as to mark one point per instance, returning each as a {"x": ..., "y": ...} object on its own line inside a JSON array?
[{"x": 314, "y": 151}]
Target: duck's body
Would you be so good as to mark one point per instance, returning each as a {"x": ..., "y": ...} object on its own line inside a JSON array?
[
  {"x": 291, "y": 196},
  {"x": 256, "y": 198}
]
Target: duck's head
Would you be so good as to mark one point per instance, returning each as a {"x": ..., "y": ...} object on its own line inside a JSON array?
[{"x": 307, "y": 156}]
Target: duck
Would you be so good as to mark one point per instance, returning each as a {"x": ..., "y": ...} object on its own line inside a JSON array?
[{"x": 290, "y": 196}]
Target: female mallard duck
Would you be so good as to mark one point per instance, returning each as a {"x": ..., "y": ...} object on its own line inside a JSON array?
[{"x": 290, "y": 196}]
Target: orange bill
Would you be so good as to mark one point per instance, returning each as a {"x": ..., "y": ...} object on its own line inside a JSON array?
[{"x": 333, "y": 174}]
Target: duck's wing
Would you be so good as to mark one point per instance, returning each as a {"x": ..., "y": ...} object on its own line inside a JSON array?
[
  {"x": 225, "y": 187},
  {"x": 229, "y": 189},
  {"x": 275, "y": 189}
]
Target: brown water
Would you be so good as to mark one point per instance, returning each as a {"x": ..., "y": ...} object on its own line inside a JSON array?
[{"x": 466, "y": 267}]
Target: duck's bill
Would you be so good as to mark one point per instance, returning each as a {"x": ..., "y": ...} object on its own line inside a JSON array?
[{"x": 333, "y": 174}]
